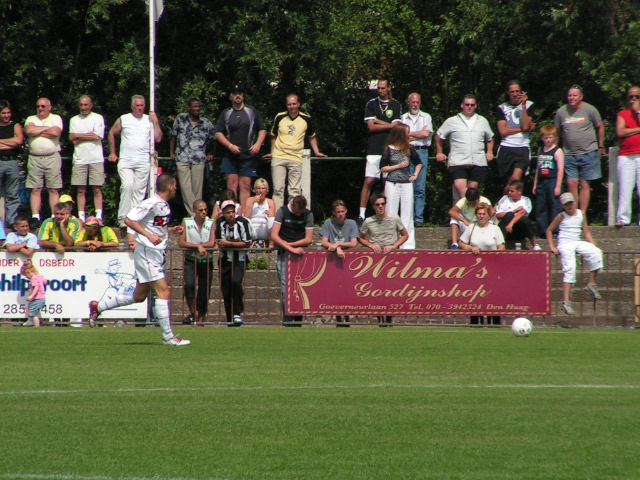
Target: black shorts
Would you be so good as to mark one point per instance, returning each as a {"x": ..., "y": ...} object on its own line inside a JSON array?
[
  {"x": 473, "y": 173},
  {"x": 510, "y": 158}
]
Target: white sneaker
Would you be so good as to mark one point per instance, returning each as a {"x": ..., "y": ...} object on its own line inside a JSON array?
[
  {"x": 176, "y": 341},
  {"x": 536, "y": 248},
  {"x": 238, "y": 320},
  {"x": 567, "y": 308},
  {"x": 28, "y": 323}
]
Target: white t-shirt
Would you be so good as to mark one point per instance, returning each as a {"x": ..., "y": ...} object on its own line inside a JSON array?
[
  {"x": 134, "y": 138},
  {"x": 40, "y": 145},
  {"x": 487, "y": 238},
  {"x": 154, "y": 215},
  {"x": 506, "y": 205},
  {"x": 89, "y": 151}
]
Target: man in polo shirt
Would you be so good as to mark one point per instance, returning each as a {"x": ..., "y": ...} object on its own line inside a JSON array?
[
  {"x": 292, "y": 231},
  {"x": 420, "y": 133},
  {"x": 287, "y": 141},
  {"x": 380, "y": 114},
  {"x": 468, "y": 133},
  {"x": 190, "y": 136},
  {"x": 86, "y": 132},
  {"x": 241, "y": 131},
  {"x": 514, "y": 124},
  {"x": 60, "y": 231},
  {"x": 582, "y": 143},
  {"x": 43, "y": 132}
]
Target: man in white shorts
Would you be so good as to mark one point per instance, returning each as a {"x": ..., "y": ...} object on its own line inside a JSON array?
[{"x": 150, "y": 221}]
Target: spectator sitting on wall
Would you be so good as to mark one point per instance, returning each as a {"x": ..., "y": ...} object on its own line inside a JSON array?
[{"x": 95, "y": 237}]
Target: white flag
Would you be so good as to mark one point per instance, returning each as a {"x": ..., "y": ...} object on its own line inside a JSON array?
[{"x": 158, "y": 7}]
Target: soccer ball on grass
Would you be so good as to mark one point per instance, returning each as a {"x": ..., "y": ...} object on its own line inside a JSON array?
[{"x": 521, "y": 327}]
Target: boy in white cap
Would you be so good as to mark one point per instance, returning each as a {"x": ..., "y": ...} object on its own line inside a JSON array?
[{"x": 572, "y": 222}]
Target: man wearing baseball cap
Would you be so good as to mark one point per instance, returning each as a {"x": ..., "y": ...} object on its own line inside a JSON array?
[
  {"x": 96, "y": 237},
  {"x": 241, "y": 131}
]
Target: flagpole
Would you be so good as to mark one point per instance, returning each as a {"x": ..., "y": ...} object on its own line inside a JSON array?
[{"x": 153, "y": 156}]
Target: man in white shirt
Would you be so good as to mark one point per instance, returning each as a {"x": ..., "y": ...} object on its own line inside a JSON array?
[
  {"x": 468, "y": 133},
  {"x": 135, "y": 130},
  {"x": 420, "y": 134},
  {"x": 43, "y": 132},
  {"x": 86, "y": 132}
]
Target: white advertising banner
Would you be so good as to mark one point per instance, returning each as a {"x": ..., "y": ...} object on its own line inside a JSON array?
[{"x": 74, "y": 279}]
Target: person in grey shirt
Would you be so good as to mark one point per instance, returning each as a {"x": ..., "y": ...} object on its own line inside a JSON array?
[{"x": 578, "y": 122}]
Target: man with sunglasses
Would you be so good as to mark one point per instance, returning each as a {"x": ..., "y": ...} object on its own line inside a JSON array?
[
  {"x": 578, "y": 122},
  {"x": 471, "y": 146},
  {"x": 628, "y": 131},
  {"x": 43, "y": 132}
]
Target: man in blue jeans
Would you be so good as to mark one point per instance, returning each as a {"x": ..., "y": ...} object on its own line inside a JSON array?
[
  {"x": 420, "y": 132},
  {"x": 292, "y": 231}
]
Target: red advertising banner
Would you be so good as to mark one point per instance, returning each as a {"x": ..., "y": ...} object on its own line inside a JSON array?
[{"x": 419, "y": 282}]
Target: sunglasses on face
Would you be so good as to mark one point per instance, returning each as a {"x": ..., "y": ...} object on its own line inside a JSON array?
[
  {"x": 379, "y": 204},
  {"x": 630, "y": 97}
]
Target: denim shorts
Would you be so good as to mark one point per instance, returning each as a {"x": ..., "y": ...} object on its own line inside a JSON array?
[
  {"x": 584, "y": 166},
  {"x": 35, "y": 306},
  {"x": 243, "y": 168}
]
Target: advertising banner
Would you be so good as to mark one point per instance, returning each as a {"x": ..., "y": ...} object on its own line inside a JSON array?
[
  {"x": 74, "y": 279},
  {"x": 419, "y": 282}
]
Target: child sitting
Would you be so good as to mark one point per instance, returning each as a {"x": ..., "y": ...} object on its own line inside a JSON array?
[
  {"x": 572, "y": 222},
  {"x": 513, "y": 213}
]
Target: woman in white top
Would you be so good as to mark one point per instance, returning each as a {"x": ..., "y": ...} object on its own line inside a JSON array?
[
  {"x": 482, "y": 236},
  {"x": 261, "y": 211}
]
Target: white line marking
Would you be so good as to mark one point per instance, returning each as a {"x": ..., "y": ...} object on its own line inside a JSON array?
[
  {"x": 44, "y": 476},
  {"x": 316, "y": 387}
]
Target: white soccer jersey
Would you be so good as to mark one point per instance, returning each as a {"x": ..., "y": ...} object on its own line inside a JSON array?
[{"x": 154, "y": 215}]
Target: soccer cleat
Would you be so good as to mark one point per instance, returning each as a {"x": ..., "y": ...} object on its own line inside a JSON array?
[
  {"x": 568, "y": 308},
  {"x": 93, "y": 313},
  {"x": 175, "y": 341},
  {"x": 237, "y": 320},
  {"x": 592, "y": 288}
]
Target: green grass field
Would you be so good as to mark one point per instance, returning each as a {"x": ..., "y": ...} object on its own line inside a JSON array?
[{"x": 319, "y": 403}]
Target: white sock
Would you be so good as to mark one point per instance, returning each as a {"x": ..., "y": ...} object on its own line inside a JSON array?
[
  {"x": 81, "y": 215},
  {"x": 36, "y": 215},
  {"x": 363, "y": 211},
  {"x": 161, "y": 312},
  {"x": 119, "y": 300},
  {"x": 99, "y": 214}
]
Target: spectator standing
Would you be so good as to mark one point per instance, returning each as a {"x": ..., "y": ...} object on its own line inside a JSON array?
[
  {"x": 190, "y": 136},
  {"x": 339, "y": 233},
  {"x": 137, "y": 130},
  {"x": 150, "y": 221},
  {"x": 397, "y": 157},
  {"x": 380, "y": 114},
  {"x": 292, "y": 231},
  {"x": 420, "y": 134},
  {"x": 571, "y": 224},
  {"x": 233, "y": 233},
  {"x": 514, "y": 124},
  {"x": 261, "y": 211},
  {"x": 468, "y": 134},
  {"x": 463, "y": 214},
  {"x": 11, "y": 137},
  {"x": 197, "y": 236},
  {"x": 287, "y": 142},
  {"x": 86, "y": 132},
  {"x": 513, "y": 213},
  {"x": 547, "y": 183},
  {"x": 628, "y": 131},
  {"x": 241, "y": 131},
  {"x": 582, "y": 142},
  {"x": 21, "y": 240},
  {"x": 382, "y": 233},
  {"x": 96, "y": 237},
  {"x": 60, "y": 231},
  {"x": 43, "y": 132}
]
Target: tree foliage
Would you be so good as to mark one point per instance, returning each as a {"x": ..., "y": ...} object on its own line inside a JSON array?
[{"x": 327, "y": 52}]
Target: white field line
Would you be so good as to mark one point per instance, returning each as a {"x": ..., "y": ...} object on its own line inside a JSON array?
[{"x": 316, "y": 387}]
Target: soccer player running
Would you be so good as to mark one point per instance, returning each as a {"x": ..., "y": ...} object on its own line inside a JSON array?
[{"x": 150, "y": 221}]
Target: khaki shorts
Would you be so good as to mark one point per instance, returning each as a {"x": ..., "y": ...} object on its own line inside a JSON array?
[
  {"x": 44, "y": 170},
  {"x": 91, "y": 174}
]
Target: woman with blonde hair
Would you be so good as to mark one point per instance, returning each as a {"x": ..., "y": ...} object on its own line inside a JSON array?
[{"x": 261, "y": 211}]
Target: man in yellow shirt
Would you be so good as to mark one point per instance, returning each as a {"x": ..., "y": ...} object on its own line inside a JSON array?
[
  {"x": 59, "y": 231},
  {"x": 94, "y": 237},
  {"x": 287, "y": 141}
]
